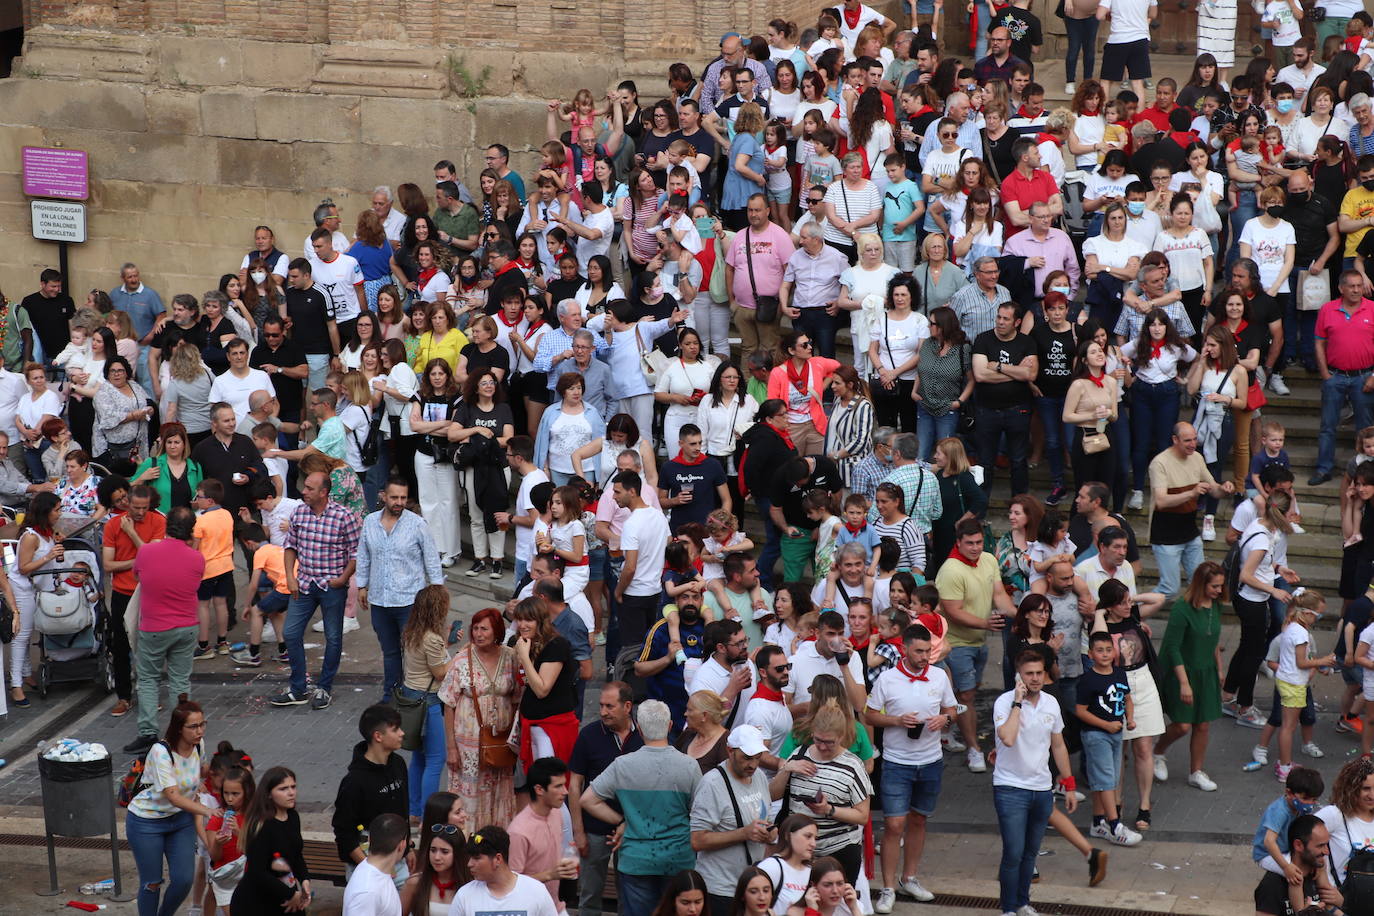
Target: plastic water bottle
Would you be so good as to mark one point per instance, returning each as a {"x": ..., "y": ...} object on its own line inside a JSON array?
[
  {"x": 364, "y": 840},
  {"x": 98, "y": 887},
  {"x": 571, "y": 854},
  {"x": 287, "y": 877}
]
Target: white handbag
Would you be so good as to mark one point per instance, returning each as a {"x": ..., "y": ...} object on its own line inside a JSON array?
[{"x": 1313, "y": 291}]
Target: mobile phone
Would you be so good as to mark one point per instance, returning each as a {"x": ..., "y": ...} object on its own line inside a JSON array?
[{"x": 816, "y": 799}]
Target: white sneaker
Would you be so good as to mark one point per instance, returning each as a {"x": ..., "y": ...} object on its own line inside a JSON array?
[
  {"x": 912, "y": 888},
  {"x": 1100, "y": 831},
  {"x": 950, "y": 742},
  {"x": 1311, "y": 750},
  {"x": 350, "y": 624},
  {"x": 1070, "y": 88},
  {"x": 977, "y": 763},
  {"x": 887, "y": 898},
  {"x": 1201, "y": 780},
  {"x": 1299, "y": 529},
  {"x": 1136, "y": 501},
  {"x": 1027, "y": 910},
  {"x": 1277, "y": 385},
  {"x": 1125, "y": 836},
  {"x": 317, "y": 626},
  {"x": 1259, "y": 753},
  {"x": 1161, "y": 768},
  {"x": 1209, "y": 527}
]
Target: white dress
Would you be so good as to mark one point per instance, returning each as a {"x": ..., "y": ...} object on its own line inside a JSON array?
[
  {"x": 1216, "y": 30},
  {"x": 681, "y": 377}
]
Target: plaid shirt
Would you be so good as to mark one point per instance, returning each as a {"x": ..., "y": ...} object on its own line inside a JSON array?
[
  {"x": 865, "y": 476},
  {"x": 914, "y": 478},
  {"x": 323, "y": 543},
  {"x": 975, "y": 313}
]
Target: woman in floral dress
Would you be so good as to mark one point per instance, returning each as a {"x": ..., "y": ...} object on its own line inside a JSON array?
[{"x": 482, "y": 672}]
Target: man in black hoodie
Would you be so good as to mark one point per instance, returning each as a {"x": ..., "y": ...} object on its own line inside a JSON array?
[{"x": 375, "y": 782}]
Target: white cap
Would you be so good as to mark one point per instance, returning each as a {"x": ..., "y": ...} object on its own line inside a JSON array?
[
  {"x": 762, "y": 612},
  {"x": 748, "y": 739}
]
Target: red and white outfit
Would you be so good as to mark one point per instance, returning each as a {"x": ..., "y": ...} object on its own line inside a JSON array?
[{"x": 802, "y": 391}]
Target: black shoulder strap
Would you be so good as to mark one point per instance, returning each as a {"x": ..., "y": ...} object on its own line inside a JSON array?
[{"x": 734, "y": 806}]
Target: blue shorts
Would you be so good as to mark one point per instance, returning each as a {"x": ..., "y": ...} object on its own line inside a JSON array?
[
  {"x": 273, "y": 602},
  {"x": 1101, "y": 759},
  {"x": 910, "y": 787},
  {"x": 1352, "y": 675},
  {"x": 966, "y": 664},
  {"x": 781, "y": 196},
  {"x": 596, "y": 564}
]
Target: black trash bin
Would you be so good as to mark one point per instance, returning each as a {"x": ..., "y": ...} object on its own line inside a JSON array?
[{"x": 78, "y": 801}]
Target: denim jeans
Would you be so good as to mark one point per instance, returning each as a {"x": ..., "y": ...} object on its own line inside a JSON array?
[
  {"x": 772, "y": 547},
  {"x": 820, "y": 327},
  {"x": 639, "y": 894},
  {"x": 985, "y": 18},
  {"x": 1022, "y": 815},
  {"x": 1015, "y": 423},
  {"x": 1082, "y": 40},
  {"x": 426, "y": 762},
  {"x": 1058, "y": 435},
  {"x": 388, "y": 623},
  {"x": 611, "y": 576},
  {"x": 1335, "y": 392},
  {"x": 930, "y": 430},
  {"x": 151, "y": 839},
  {"x": 1154, "y": 411},
  {"x": 1246, "y": 210},
  {"x": 374, "y": 478},
  {"x": 299, "y": 612},
  {"x": 1176, "y": 563}
]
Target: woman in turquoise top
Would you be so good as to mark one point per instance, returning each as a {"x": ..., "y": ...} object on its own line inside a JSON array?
[
  {"x": 745, "y": 174},
  {"x": 170, "y": 470}
]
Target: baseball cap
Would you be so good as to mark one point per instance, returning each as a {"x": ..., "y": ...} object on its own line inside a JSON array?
[
  {"x": 748, "y": 739},
  {"x": 762, "y": 612}
]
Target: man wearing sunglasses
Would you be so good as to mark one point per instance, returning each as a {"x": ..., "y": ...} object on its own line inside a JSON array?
[
  {"x": 285, "y": 364},
  {"x": 767, "y": 710},
  {"x": 814, "y": 202}
]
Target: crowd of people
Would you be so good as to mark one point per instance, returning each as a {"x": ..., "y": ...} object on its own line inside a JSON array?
[{"x": 1111, "y": 289}]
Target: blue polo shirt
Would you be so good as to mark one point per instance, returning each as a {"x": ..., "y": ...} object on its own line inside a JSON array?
[
  {"x": 669, "y": 685},
  {"x": 596, "y": 747},
  {"x": 143, "y": 306}
]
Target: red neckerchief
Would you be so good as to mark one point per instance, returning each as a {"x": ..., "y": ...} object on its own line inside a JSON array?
[
  {"x": 427, "y": 275},
  {"x": 855, "y": 529},
  {"x": 1042, "y": 137},
  {"x": 1183, "y": 137},
  {"x": 764, "y": 692},
  {"x": 701, "y": 459},
  {"x": 524, "y": 265},
  {"x": 1352, "y": 43},
  {"x": 956, "y": 555},
  {"x": 509, "y": 265},
  {"x": 532, "y": 328},
  {"x": 1098, "y": 380},
  {"x": 894, "y": 641},
  {"x": 1156, "y": 348},
  {"x": 797, "y": 379},
  {"x": 855, "y": 644},
  {"x": 699, "y": 565},
  {"x": 1022, "y": 113},
  {"x": 1214, "y": 364},
  {"x": 924, "y": 109},
  {"x": 924, "y": 675},
  {"x": 1240, "y": 329},
  {"x": 443, "y": 887},
  {"x": 501, "y": 317},
  {"x": 783, "y": 434},
  {"x": 851, "y": 18}
]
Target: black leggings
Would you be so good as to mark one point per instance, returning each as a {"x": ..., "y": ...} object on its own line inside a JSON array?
[
  {"x": 1088, "y": 468},
  {"x": 851, "y": 858},
  {"x": 121, "y": 657},
  {"x": 894, "y": 407},
  {"x": 1254, "y": 642}
]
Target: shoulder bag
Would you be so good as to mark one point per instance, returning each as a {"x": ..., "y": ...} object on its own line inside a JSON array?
[
  {"x": 413, "y": 717},
  {"x": 495, "y": 752},
  {"x": 652, "y": 360},
  {"x": 740, "y": 822},
  {"x": 765, "y": 307},
  {"x": 968, "y": 421}
]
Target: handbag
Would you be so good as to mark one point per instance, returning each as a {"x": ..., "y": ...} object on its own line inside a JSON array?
[
  {"x": 1313, "y": 291},
  {"x": 230, "y": 871},
  {"x": 766, "y": 308},
  {"x": 494, "y": 750},
  {"x": 1095, "y": 442},
  {"x": 412, "y": 718},
  {"x": 1254, "y": 398},
  {"x": 652, "y": 360},
  {"x": 968, "y": 422}
]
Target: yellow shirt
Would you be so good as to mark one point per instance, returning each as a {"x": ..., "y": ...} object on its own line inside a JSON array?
[
  {"x": 447, "y": 349},
  {"x": 215, "y": 531},
  {"x": 957, "y": 581},
  {"x": 1357, "y": 204}
]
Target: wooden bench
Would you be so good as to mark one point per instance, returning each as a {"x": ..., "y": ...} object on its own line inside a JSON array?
[{"x": 322, "y": 858}]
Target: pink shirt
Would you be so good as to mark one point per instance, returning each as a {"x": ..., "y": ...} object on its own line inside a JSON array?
[
  {"x": 771, "y": 249},
  {"x": 536, "y": 844},
  {"x": 608, "y": 511},
  {"x": 168, "y": 574},
  {"x": 1349, "y": 338}
]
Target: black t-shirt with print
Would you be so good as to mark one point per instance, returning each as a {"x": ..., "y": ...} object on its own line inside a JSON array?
[
  {"x": 1103, "y": 694},
  {"x": 1271, "y": 894},
  {"x": 1002, "y": 395},
  {"x": 1056, "y": 350}
]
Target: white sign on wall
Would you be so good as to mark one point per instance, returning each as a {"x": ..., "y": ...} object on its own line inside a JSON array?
[{"x": 59, "y": 221}]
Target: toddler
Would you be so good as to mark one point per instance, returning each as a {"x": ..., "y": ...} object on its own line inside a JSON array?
[
  {"x": 1051, "y": 546},
  {"x": 265, "y": 438},
  {"x": 1301, "y": 790},
  {"x": 1248, "y": 159},
  {"x": 819, "y": 505},
  {"x": 77, "y": 353},
  {"x": 679, "y": 155},
  {"x": 580, "y": 112}
]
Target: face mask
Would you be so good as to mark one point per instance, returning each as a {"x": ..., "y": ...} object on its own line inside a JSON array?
[
  {"x": 1136, "y": 207},
  {"x": 1299, "y": 197},
  {"x": 260, "y": 277},
  {"x": 1060, "y": 289},
  {"x": 1304, "y": 807},
  {"x": 1368, "y": 185},
  {"x": 1275, "y": 212},
  {"x": 1284, "y": 105}
]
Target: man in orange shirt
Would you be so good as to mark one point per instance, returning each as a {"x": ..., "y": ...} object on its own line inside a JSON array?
[
  {"x": 214, "y": 538},
  {"x": 125, "y": 533}
]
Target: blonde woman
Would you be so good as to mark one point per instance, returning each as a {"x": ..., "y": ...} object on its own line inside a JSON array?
[
  {"x": 869, "y": 277},
  {"x": 704, "y": 738},
  {"x": 960, "y": 497},
  {"x": 186, "y": 396}
]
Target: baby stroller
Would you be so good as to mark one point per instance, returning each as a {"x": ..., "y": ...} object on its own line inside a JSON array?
[{"x": 71, "y": 622}]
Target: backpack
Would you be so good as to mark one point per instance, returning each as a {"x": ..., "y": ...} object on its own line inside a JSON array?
[
  {"x": 1231, "y": 565},
  {"x": 370, "y": 449},
  {"x": 132, "y": 783},
  {"x": 1358, "y": 883}
]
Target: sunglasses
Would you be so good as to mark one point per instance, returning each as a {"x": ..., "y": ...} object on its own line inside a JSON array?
[
  {"x": 444, "y": 829},
  {"x": 782, "y": 668},
  {"x": 948, "y": 135},
  {"x": 815, "y": 201}
]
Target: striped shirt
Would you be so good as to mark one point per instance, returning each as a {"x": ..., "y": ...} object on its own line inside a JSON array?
[
  {"x": 905, "y": 533},
  {"x": 844, "y": 782},
  {"x": 851, "y": 430},
  {"x": 920, "y": 495},
  {"x": 976, "y": 313},
  {"x": 865, "y": 475}
]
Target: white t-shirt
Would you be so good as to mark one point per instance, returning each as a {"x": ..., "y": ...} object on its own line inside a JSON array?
[
  {"x": 1343, "y": 828},
  {"x": 898, "y": 341},
  {"x": 1185, "y": 256},
  {"x": 772, "y": 718},
  {"x": 336, "y": 280},
  {"x": 1101, "y": 185},
  {"x": 895, "y": 693},
  {"x": 691, "y": 239},
  {"x": 355, "y": 421},
  {"x": 527, "y": 898},
  {"x": 807, "y": 663},
  {"x": 371, "y": 892},
  {"x": 1144, "y": 229},
  {"x": 524, "y": 535},
  {"x": 590, "y": 248},
  {"x": 940, "y": 163},
  {"x": 1300, "y": 80},
  {"x": 1213, "y": 183},
  {"x": 1288, "y": 31},
  {"x": 1293, "y": 635},
  {"x": 1026, "y": 764},
  {"x": 715, "y": 677},
  {"x": 436, "y": 287},
  {"x": 866, "y": 15},
  {"x": 1130, "y": 20},
  {"x": 789, "y": 883},
  {"x": 1256, "y": 537},
  {"x": 1268, "y": 246},
  {"x": 1114, "y": 254},
  {"x": 1089, "y": 129},
  {"x": 1366, "y": 637},
  {"x": 236, "y": 391},
  {"x": 339, "y": 241},
  {"x": 646, "y": 531}
]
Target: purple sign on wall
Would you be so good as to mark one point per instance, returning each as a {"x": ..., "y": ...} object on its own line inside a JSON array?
[{"x": 50, "y": 172}]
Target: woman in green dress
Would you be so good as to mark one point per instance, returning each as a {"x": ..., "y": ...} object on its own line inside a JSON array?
[{"x": 1191, "y": 659}]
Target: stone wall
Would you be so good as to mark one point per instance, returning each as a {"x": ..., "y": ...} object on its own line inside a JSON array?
[{"x": 204, "y": 118}]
